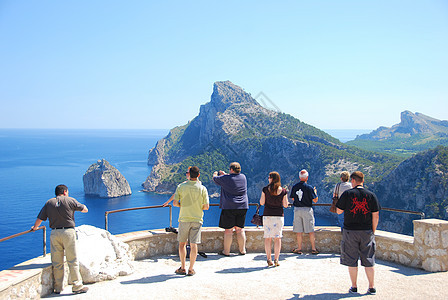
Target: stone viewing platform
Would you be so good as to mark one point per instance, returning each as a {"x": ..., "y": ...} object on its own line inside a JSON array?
[{"x": 407, "y": 268}]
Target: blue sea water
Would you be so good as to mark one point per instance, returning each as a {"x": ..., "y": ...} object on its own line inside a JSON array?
[
  {"x": 345, "y": 135},
  {"x": 34, "y": 161}
]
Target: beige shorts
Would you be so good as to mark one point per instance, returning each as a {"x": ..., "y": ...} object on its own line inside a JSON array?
[
  {"x": 303, "y": 219},
  {"x": 190, "y": 231}
]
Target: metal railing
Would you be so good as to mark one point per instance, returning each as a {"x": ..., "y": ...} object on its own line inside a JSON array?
[
  {"x": 107, "y": 213},
  {"x": 28, "y": 231},
  {"x": 421, "y": 214}
]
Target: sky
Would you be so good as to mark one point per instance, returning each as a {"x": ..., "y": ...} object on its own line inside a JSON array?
[{"x": 151, "y": 64}]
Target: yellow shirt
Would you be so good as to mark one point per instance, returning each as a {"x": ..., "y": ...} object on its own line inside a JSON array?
[{"x": 192, "y": 196}]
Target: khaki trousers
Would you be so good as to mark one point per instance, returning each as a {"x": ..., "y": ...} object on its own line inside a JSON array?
[{"x": 64, "y": 240}]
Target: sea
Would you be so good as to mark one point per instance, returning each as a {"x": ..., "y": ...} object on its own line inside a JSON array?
[{"x": 34, "y": 161}]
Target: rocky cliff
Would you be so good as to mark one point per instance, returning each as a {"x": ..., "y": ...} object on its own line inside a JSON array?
[
  {"x": 103, "y": 180},
  {"x": 415, "y": 133},
  {"x": 419, "y": 183},
  {"x": 410, "y": 125},
  {"x": 234, "y": 127}
]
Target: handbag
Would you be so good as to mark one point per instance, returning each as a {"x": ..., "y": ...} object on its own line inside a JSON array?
[
  {"x": 335, "y": 200},
  {"x": 257, "y": 219}
]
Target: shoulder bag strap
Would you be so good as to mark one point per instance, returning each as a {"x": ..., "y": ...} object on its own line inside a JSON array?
[{"x": 338, "y": 188}]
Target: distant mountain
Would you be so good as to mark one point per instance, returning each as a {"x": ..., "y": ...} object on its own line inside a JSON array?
[
  {"x": 419, "y": 183},
  {"x": 235, "y": 127},
  {"x": 416, "y": 132}
]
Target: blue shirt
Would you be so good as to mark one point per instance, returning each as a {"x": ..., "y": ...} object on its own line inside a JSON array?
[
  {"x": 303, "y": 194},
  {"x": 233, "y": 191}
]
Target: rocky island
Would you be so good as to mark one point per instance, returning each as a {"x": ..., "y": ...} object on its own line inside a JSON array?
[{"x": 105, "y": 181}]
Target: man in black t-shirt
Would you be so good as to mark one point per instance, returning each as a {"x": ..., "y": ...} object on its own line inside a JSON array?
[
  {"x": 361, "y": 216},
  {"x": 304, "y": 196}
]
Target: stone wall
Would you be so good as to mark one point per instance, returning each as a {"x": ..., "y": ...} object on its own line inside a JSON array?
[
  {"x": 431, "y": 244},
  {"x": 29, "y": 280},
  {"x": 428, "y": 250}
]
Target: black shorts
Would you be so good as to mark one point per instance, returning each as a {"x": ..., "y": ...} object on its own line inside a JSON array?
[
  {"x": 232, "y": 217},
  {"x": 358, "y": 244}
]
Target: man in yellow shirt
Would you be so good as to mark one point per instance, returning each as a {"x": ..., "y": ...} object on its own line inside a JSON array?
[{"x": 192, "y": 198}]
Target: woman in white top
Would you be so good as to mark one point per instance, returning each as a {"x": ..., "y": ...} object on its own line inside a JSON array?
[{"x": 339, "y": 189}]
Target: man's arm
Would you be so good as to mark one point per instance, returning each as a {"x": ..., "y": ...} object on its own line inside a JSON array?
[
  {"x": 169, "y": 200},
  {"x": 36, "y": 224},
  {"x": 205, "y": 199},
  {"x": 315, "y": 193},
  {"x": 85, "y": 209},
  {"x": 176, "y": 202},
  {"x": 220, "y": 173},
  {"x": 341, "y": 203},
  {"x": 375, "y": 220}
]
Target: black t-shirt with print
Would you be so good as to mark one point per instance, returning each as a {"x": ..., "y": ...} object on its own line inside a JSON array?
[{"x": 358, "y": 205}]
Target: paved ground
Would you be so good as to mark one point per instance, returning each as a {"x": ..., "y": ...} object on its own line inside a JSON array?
[{"x": 247, "y": 277}]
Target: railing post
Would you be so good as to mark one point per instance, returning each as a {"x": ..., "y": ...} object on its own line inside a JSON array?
[
  {"x": 45, "y": 240},
  {"x": 171, "y": 215},
  {"x": 105, "y": 220}
]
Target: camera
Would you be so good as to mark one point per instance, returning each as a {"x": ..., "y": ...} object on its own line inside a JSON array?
[{"x": 171, "y": 229}]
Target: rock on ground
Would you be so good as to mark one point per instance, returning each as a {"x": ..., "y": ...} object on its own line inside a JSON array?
[{"x": 101, "y": 255}]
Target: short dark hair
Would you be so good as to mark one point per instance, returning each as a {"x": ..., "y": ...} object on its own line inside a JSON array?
[
  {"x": 357, "y": 176},
  {"x": 194, "y": 172},
  {"x": 60, "y": 189},
  {"x": 235, "y": 167}
]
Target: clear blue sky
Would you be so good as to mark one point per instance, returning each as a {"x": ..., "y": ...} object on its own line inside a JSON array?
[{"x": 151, "y": 64}]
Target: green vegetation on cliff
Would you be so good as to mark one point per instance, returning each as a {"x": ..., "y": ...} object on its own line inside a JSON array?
[
  {"x": 402, "y": 146},
  {"x": 416, "y": 132}
]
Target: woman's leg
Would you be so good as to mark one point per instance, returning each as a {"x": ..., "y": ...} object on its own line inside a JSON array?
[
  {"x": 277, "y": 248},
  {"x": 267, "y": 247}
]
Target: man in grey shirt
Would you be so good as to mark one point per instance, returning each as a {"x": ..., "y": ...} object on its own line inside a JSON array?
[{"x": 60, "y": 210}]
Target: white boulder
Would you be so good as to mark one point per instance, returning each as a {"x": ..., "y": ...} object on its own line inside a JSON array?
[{"x": 101, "y": 255}]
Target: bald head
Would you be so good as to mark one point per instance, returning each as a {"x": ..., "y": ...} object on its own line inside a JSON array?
[{"x": 303, "y": 175}]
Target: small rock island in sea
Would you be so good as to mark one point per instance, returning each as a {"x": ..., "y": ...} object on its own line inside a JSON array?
[{"x": 103, "y": 180}]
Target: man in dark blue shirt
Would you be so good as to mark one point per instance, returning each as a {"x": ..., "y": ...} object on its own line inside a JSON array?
[
  {"x": 304, "y": 195},
  {"x": 234, "y": 204}
]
